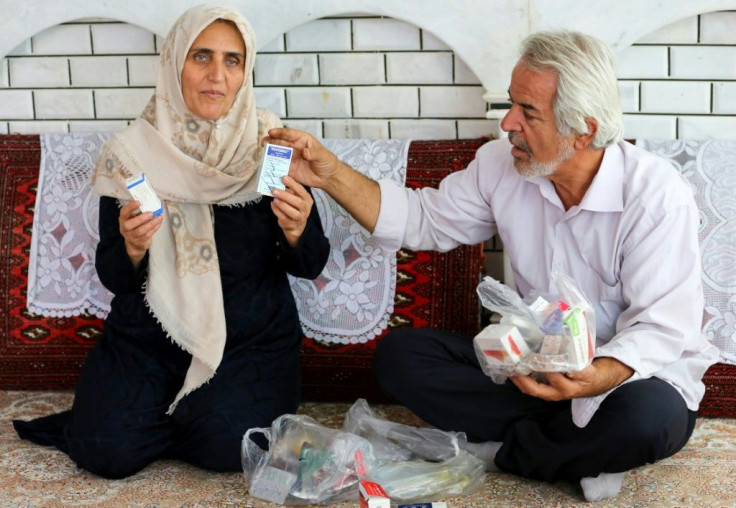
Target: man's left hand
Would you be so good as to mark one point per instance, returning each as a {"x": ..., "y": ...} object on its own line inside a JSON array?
[{"x": 600, "y": 376}]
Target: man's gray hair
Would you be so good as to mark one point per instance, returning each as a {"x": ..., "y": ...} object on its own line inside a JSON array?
[{"x": 586, "y": 82}]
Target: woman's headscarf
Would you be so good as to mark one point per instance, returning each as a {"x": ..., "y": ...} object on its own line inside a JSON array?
[{"x": 192, "y": 164}]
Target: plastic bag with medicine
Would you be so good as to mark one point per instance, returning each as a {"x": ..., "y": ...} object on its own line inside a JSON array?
[
  {"x": 415, "y": 464},
  {"x": 307, "y": 463},
  {"x": 550, "y": 333}
]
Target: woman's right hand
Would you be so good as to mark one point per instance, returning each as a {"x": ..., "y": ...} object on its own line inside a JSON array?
[{"x": 137, "y": 229}]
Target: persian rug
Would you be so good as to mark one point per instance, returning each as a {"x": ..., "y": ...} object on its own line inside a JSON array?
[
  {"x": 700, "y": 475},
  {"x": 35, "y": 352}
]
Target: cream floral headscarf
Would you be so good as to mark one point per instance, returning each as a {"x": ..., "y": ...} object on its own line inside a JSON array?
[{"x": 192, "y": 164}]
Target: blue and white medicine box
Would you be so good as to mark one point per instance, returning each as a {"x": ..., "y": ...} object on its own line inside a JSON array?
[
  {"x": 274, "y": 165},
  {"x": 142, "y": 192}
]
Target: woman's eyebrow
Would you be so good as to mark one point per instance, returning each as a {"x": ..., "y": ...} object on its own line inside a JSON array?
[{"x": 209, "y": 51}]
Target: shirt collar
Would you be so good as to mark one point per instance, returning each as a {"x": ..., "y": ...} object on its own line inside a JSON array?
[{"x": 606, "y": 191}]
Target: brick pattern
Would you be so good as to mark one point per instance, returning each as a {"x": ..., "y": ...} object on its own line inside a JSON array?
[
  {"x": 353, "y": 76},
  {"x": 680, "y": 81},
  {"x": 363, "y": 77}
]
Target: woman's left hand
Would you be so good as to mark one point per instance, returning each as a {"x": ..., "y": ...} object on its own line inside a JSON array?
[{"x": 292, "y": 207}]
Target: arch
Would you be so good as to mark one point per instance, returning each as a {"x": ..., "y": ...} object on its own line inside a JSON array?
[{"x": 485, "y": 34}]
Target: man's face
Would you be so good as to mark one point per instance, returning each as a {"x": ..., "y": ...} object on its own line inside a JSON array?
[
  {"x": 213, "y": 71},
  {"x": 538, "y": 148}
]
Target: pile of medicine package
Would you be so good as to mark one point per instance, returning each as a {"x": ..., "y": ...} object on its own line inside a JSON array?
[{"x": 549, "y": 334}]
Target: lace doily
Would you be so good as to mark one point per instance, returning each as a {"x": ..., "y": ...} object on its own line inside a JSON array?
[
  {"x": 62, "y": 280},
  {"x": 708, "y": 167},
  {"x": 350, "y": 302}
]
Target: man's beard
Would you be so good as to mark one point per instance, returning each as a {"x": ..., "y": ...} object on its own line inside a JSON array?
[{"x": 535, "y": 169}]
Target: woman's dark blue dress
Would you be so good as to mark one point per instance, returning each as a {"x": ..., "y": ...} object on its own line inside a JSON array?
[{"x": 118, "y": 423}]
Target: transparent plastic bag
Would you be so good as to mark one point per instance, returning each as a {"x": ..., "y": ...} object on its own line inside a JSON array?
[
  {"x": 306, "y": 463},
  {"x": 415, "y": 464},
  {"x": 551, "y": 333},
  {"x": 419, "y": 480},
  {"x": 394, "y": 441}
]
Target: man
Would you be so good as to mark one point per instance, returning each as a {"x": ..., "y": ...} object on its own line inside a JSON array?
[{"x": 565, "y": 193}]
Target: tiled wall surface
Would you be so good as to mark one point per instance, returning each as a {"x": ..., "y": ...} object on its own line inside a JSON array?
[
  {"x": 680, "y": 82},
  {"x": 363, "y": 77},
  {"x": 338, "y": 77}
]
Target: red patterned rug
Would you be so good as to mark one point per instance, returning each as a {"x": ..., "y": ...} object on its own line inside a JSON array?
[
  {"x": 35, "y": 352},
  {"x": 433, "y": 289}
]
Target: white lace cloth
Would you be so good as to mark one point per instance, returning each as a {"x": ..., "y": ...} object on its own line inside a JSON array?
[
  {"x": 710, "y": 169},
  {"x": 62, "y": 280},
  {"x": 350, "y": 302}
]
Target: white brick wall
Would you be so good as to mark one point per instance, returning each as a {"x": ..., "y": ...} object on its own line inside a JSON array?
[
  {"x": 707, "y": 127},
  {"x": 724, "y": 98},
  {"x": 386, "y": 101},
  {"x": 118, "y": 38},
  {"x": 4, "y": 79},
  {"x": 16, "y": 103},
  {"x": 295, "y": 69},
  {"x": 320, "y": 35},
  {"x": 449, "y": 102},
  {"x": 352, "y": 69},
  {"x": 384, "y": 35},
  {"x": 681, "y": 32},
  {"x": 39, "y": 72},
  {"x": 675, "y": 97},
  {"x": 273, "y": 99},
  {"x": 650, "y": 127},
  {"x": 143, "y": 70},
  {"x": 680, "y": 81},
  {"x": 361, "y": 76},
  {"x": 718, "y": 28},
  {"x": 356, "y": 129},
  {"x": 64, "y": 104},
  {"x": 63, "y": 40},
  {"x": 423, "y": 129},
  {"x": 643, "y": 62},
  {"x": 121, "y": 103},
  {"x": 710, "y": 62},
  {"x": 419, "y": 68},
  {"x": 318, "y": 102},
  {"x": 98, "y": 71}
]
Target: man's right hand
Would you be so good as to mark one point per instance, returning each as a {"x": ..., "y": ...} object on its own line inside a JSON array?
[
  {"x": 311, "y": 163},
  {"x": 315, "y": 166},
  {"x": 137, "y": 230}
]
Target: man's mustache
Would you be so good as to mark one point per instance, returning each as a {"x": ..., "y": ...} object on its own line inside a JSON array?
[{"x": 518, "y": 143}]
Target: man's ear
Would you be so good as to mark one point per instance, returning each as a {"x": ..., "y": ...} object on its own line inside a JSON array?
[{"x": 583, "y": 141}]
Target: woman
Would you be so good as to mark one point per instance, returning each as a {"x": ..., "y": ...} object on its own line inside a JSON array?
[{"x": 203, "y": 336}]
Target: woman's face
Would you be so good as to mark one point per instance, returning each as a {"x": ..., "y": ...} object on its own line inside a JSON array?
[{"x": 213, "y": 71}]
